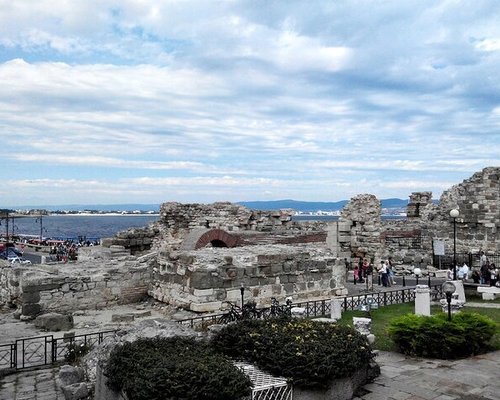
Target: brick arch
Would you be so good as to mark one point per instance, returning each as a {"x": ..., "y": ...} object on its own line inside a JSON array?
[{"x": 217, "y": 235}]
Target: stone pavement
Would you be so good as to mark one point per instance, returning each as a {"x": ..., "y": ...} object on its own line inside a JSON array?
[
  {"x": 402, "y": 378},
  {"x": 31, "y": 385}
]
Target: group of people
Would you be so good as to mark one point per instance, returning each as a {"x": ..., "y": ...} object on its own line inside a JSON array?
[
  {"x": 363, "y": 271},
  {"x": 487, "y": 274}
]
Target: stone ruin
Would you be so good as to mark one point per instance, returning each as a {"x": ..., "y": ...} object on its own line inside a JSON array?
[{"x": 198, "y": 256}]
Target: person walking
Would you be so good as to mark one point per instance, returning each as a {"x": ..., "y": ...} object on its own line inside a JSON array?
[{"x": 383, "y": 272}]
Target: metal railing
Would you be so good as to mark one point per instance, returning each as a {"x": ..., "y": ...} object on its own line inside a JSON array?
[
  {"x": 471, "y": 259},
  {"x": 322, "y": 308},
  {"x": 45, "y": 350}
]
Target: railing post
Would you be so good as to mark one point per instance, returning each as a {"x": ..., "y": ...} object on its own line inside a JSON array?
[
  {"x": 385, "y": 298},
  {"x": 345, "y": 303},
  {"x": 404, "y": 281},
  {"x": 13, "y": 355},
  {"x": 54, "y": 351},
  {"x": 402, "y": 295}
]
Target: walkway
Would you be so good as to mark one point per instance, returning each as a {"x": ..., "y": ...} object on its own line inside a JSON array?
[
  {"x": 31, "y": 385},
  {"x": 474, "y": 378}
]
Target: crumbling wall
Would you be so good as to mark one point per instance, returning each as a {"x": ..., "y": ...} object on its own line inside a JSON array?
[
  {"x": 411, "y": 240},
  {"x": 134, "y": 240},
  {"x": 478, "y": 202},
  {"x": 81, "y": 286},
  {"x": 202, "y": 280},
  {"x": 362, "y": 213}
]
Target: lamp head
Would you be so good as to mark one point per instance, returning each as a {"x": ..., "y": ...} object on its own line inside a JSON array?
[
  {"x": 454, "y": 213},
  {"x": 417, "y": 271},
  {"x": 448, "y": 288}
]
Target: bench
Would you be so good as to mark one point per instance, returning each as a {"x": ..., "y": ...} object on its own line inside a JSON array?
[{"x": 489, "y": 292}]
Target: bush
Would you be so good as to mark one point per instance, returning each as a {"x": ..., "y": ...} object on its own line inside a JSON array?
[
  {"x": 436, "y": 337},
  {"x": 309, "y": 353},
  {"x": 75, "y": 351},
  {"x": 178, "y": 368}
]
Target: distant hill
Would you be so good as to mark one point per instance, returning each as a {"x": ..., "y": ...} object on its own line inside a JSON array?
[
  {"x": 304, "y": 206},
  {"x": 97, "y": 207},
  {"x": 312, "y": 206}
]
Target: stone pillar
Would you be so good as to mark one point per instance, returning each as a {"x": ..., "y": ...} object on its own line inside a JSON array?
[
  {"x": 336, "y": 309},
  {"x": 363, "y": 326},
  {"x": 459, "y": 291},
  {"x": 422, "y": 300}
]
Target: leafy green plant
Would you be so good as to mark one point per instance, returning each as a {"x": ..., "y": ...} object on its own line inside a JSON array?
[
  {"x": 309, "y": 353},
  {"x": 436, "y": 337},
  {"x": 75, "y": 351},
  {"x": 178, "y": 368}
]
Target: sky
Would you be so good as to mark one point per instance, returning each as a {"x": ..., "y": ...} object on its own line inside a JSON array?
[{"x": 142, "y": 101}]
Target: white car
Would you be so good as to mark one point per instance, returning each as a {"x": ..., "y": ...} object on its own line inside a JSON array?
[{"x": 19, "y": 260}]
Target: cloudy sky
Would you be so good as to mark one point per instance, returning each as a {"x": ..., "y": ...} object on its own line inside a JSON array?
[{"x": 143, "y": 101}]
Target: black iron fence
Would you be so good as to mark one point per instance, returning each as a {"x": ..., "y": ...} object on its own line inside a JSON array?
[
  {"x": 45, "y": 350},
  {"x": 322, "y": 308},
  {"x": 471, "y": 259}
]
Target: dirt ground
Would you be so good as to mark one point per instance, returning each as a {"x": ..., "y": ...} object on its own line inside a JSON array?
[{"x": 87, "y": 321}]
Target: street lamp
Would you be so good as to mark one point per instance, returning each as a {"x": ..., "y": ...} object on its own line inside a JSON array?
[
  {"x": 448, "y": 289},
  {"x": 242, "y": 290},
  {"x": 417, "y": 272},
  {"x": 454, "y": 214}
]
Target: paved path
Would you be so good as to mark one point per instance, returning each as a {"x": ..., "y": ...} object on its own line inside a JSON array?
[
  {"x": 474, "y": 378},
  {"x": 402, "y": 378},
  {"x": 31, "y": 385}
]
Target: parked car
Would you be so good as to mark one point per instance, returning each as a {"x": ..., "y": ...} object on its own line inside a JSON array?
[
  {"x": 11, "y": 253},
  {"x": 20, "y": 260}
]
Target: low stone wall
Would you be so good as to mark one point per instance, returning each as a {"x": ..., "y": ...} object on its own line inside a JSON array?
[
  {"x": 71, "y": 287},
  {"x": 202, "y": 280}
]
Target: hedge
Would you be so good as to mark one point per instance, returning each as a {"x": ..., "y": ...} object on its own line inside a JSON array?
[
  {"x": 174, "y": 368},
  {"x": 309, "y": 353},
  {"x": 435, "y": 337}
]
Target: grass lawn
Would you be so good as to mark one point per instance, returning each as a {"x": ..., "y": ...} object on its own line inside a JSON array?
[{"x": 382, "y": 317}]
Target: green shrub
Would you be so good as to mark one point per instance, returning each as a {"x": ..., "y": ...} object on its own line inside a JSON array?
[
  {"x": 178, "y": 368},
  {"x": 309, "y": 353},
  {"x": 75, "y": 351},
  {"x": 436, "y": 337}
]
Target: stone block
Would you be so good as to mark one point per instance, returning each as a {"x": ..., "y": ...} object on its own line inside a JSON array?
[
  {"x": 69, "y": 375},
  {"x": 31, "y": 297},
  {"x": 206, "y": 307},
  {"x": 31, "y": 309},
  {"x": 128, "y": 317},
  {"x": 76, "y": 391},
  {"x": 54, "y": 322}
]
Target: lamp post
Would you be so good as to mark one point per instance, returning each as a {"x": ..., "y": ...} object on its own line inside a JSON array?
[
  {"x": 417, "y": 272},
  {"x": 242, "y": 291},
  {"x": 454, "y": 214},
  {"x": 448, "y": 289}
]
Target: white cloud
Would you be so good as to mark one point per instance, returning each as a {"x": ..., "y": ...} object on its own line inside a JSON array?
[{"x": 231, "y": 100}]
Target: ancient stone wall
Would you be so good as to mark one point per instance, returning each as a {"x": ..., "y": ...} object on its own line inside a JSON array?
[
  {"x": 362, "y": 213},
  {"x": 80, "y": 286},
  {"x": 202, "y": 280},
  {"x": 411, "y": 240},
  {"x": 135, "y": 240}
]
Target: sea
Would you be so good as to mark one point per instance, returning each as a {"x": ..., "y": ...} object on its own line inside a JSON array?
[
  {"x": 94, "y": 227},
  {"x": 76, "y": 226}
]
